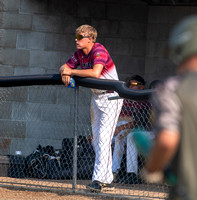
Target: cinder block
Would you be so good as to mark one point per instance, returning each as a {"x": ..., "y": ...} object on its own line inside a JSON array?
[
  {"x": 167, "y": 14},
  {"x": 17, "y": 144},
  {"x": 118, "y": 46},
  {"x": 84, "y": 115},
  {"x": 1, "y": 19},
  {"x": 6, "y": 70},
  {"x": 5, "y": 145},
  {"x": 138, "y": 48},
  {"x": 46, "y": 23},
  {"x": 118, "y": 11},
  {"x": 49, "y": 130},
  {"x": 4, "y": 165},
  {"x": 12, "y": 129},
  {"x": 156, "y": 48},
  {"x": 131, "y": 64},
  {"x": 177, "y": 14},
  {"x": 57, "y": 113},
  {"x": 84, "y": 129},
  {"x": 15, "y": 57},
  {"x": 139, "y": 12},
  {"x": 156, "y": 11},
  {"x": 27, "y": 70},
  {"x": 84, "y": 95},
  {"x": 65, "y": 95},
  {"x": 5, "y": 107},
  {"x": 85, "y": 10},
  {"x": 70, "y": 25},
  {"x": 42, "y": 94},
  {"x": 28, "y": 6},
  {"x": 11, "y": 5},
  {"x": 59, "y": 42},
  {"x": 127, "y": 11},
  {"x": 150, "y": 65},
  {"x": 45, "y": 59},
  {"x": 52, "y": 71},
  {"x": 16, "y": 21},
  {"x": 29, "y": 145},
  {"x": 8, "y": 38},
  {"x": 30, "y": 40},
  {"x": 26, "y": 111},
  {"x": 132, "y": 30},
  {"x": 63, "y": 58},
  {"x": 67, "y": 9},
  {"x": 165, "y": 66},
  {"x": 106, "y": 28},
  {"x": 158, "y": 30},
  {"x": 18, "y": 94},
  {"x": 123, "y": 76},
  {"x": 193, "y": 10}
]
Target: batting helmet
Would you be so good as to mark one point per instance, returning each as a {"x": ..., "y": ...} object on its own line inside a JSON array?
[{"x": 183, "y": 40}]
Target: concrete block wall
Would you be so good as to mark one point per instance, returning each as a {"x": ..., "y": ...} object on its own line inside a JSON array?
[
  {"x": 37, "y": 37},
  {"x": 161, "y": 20}
]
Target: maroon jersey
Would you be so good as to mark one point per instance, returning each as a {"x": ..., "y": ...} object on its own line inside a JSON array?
[
  {"x": 139, "y": 111},
  {"x": 97, "y": 55}
]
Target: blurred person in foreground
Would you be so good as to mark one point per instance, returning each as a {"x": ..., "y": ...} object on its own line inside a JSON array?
[{"x": 175, "y": 102}]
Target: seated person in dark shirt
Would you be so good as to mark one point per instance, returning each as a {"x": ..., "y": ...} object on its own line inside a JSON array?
[{"x": 134, "y": 115}]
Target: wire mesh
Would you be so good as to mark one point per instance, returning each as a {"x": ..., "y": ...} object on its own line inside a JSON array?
[{"x": 41, "y": 128}]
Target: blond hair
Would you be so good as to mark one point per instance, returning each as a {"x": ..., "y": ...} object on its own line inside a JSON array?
[{"x": 87, "y": 30}]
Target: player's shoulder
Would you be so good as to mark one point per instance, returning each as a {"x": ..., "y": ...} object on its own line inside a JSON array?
[
  {"x": 98, "y": 48},
  {"x": 170, "y": 84},
  {"x": 98, "y": 45},
  {"x": 166, "y": 91}
]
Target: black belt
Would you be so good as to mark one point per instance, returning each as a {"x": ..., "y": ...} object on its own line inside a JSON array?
[{"x": 108, "y": 91}]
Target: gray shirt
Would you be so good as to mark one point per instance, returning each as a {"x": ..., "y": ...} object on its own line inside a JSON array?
[
  {"x": 176, "y": 109},
  {"x": 167, "y": 106}
]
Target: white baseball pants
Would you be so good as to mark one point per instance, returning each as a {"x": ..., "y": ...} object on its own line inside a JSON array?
[{"x": 104, "y": 119}]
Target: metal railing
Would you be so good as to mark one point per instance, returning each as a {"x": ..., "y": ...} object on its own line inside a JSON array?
[{"x": 46, "y": 131}]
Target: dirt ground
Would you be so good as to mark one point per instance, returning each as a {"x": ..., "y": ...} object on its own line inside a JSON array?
[
  {"x": 10, "y": 194},
  {"x": 23, "y": 194},
  {"x": 34, "y": 189},
  {"x": 13, "y": 194}
]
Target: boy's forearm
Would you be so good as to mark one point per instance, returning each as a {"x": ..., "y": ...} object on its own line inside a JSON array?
[{"x": 84, "y": 73}]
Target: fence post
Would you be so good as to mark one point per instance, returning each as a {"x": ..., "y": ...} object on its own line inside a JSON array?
[{"x": 75, "y": 139}]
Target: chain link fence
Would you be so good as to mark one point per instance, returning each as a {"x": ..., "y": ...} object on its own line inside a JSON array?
[{"x": 46, "y": 142}]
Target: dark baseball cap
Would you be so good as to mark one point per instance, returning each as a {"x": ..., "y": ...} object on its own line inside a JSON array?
[{"x": 137, "y": 78}]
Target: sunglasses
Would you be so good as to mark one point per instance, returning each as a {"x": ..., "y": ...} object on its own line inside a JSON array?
[
  {"x": 80, "y": 37},
  {"x": 134, "y": 83}
]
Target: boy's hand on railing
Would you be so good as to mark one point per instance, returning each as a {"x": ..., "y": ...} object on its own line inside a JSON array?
[
  {"x": 65, "y": 79},
  {"x": 66, "y": 72}
]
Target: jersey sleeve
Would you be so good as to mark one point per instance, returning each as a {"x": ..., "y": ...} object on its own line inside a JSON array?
[
  {"x": 73, "y": 61},
  {"x": 167, "y": 107},
  {"x": 100, "y": 57}
]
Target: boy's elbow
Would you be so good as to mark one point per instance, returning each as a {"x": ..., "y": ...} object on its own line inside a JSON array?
[{"x": 97, "y": 75}]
